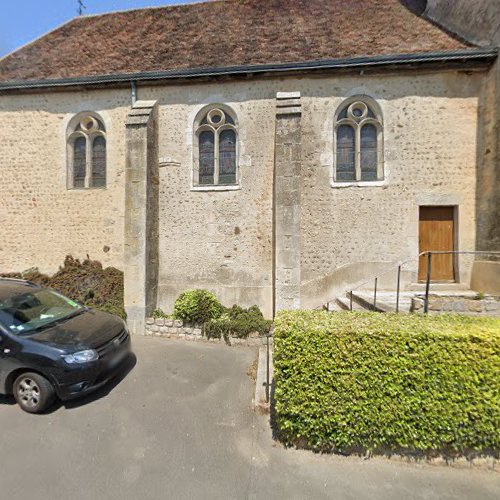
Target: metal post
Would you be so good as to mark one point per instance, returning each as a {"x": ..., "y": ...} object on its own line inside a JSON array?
[
  {"x": 375, "y": 295},
  {"x": 398, "y": 288},
  {"x": 267, "y": 372},
  {"x": 427, "y": 283},
  {"x": 350, "y": 300}
]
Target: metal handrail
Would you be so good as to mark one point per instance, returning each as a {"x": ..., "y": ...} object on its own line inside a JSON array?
[
  {"x": 446, "y": 252},
  {"x": 401, "y": 263},
  {"x": 427, "y": 253},
  {"x": 267, "y": 371}
]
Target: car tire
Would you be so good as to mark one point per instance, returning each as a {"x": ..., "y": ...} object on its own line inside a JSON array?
[{"x": 33, "y": 392}]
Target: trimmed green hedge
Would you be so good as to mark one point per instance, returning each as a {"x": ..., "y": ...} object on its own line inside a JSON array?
[{"x": 358, "y": 382}]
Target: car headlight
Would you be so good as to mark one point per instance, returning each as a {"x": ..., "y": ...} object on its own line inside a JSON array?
[{"x": 81, "y": 357}]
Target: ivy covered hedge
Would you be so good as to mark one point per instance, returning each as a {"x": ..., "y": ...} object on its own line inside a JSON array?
[{"x": 414, "y": 384}]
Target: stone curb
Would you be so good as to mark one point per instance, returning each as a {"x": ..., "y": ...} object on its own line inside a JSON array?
[{"x": 260, "y": 402}]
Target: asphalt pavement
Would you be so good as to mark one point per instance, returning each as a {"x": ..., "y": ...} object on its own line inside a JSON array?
[{"x": 180, "y": 424}]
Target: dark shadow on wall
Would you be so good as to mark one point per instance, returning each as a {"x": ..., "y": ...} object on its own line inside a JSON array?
[
  {"x": 416, "y": 6},
  {"x": 487, "y": 171}
]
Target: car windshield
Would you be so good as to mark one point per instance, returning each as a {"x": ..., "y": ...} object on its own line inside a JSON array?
[{"x": 35, "y": 310}]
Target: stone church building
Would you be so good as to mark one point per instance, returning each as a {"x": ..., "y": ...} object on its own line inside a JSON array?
[{"x": 276, "y": 152}]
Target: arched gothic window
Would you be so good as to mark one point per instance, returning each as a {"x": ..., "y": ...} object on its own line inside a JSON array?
[
  {"x": 216, "y": 151},
  {"x": 86, "y": 143},
  {"x": 358, "y": 141}
]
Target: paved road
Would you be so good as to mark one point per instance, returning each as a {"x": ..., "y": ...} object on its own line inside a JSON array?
[{"x": 180, "y": 426}]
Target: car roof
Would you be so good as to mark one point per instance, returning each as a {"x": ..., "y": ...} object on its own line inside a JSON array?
[{"x": 10, "y": 287}]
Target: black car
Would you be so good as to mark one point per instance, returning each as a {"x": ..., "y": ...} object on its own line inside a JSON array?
[{"x": 52, "y": 346}]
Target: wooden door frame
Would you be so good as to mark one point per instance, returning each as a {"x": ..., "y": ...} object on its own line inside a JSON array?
[
  {"x": 455, "y": 243},
  {"x": 455, "y": 236}
]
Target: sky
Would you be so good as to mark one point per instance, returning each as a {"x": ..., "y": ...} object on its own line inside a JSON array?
[{"x": 22, "y": 21}]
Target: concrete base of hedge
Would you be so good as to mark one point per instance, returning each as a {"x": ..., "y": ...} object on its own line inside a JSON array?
[
  {"x": 176, "y": 329},
  {"x": 260, "y": 402}
]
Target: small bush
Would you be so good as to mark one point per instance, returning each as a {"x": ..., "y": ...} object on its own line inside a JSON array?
[
  {"x": 357, "y": 382},
  {"x": 218, "y": 328},
  {"x": 237, "y": 322},
  {"x": 85, "y": 281},
  {"x": 197, "y": 307},
  {"x": 160, "y": 314},
  {"x": 247, "y": 321}
]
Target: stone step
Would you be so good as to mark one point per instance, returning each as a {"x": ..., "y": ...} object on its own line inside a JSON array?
[
  {"x": 365, "y": 300},
  {"x": 386, "y": 301},
  {"x": 333, "y": 307},
  {"x": 344, "y": 304},
  {"x": 437, "y": 287}
]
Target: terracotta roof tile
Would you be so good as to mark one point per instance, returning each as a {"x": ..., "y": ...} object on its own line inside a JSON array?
[{"x": 225, "y": 33}]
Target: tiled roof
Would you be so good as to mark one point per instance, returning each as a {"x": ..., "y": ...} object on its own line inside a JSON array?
[{"x": 225, "y": 33}]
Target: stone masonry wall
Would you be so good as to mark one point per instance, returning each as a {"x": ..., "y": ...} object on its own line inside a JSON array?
[
  {"x": 223, "y": 240},
  {"x": 472, "y": 306},
  {"x": 350, "y": 234},
  {"x": 40, "y": 219},
  {"x": 176, "y": 329},
  {"x": 219, "y": 240}
]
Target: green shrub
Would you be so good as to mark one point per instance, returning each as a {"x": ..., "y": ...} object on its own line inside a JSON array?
[
  {"x": 218, "y": 328},
  {"x": 247, "y": 321},
  {"x": 357, "y": 382},
  {"x": 85, "y": 281},
  {"x": 197, "y": 307},
  {"x": 159, "y": 313},
  {"x": 237, "y": 322}
]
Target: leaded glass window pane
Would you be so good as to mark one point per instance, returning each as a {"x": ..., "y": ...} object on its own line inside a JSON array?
[
  {"x": 343, "y": 114},
  {"x": 368, "y": 149},
  {"x": 99, "y": 162},
  {"x": 227, "y": 157},
  {"x": 346, "y": 170},
  {"x": 79, "y": 162},
  {"x": 207, "y": 157}
]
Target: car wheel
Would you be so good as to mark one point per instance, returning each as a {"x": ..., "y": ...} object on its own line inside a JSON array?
[{"x": 33, "y": 392}]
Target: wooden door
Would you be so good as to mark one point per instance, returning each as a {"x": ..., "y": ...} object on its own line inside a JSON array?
[{"x": 436, "y": 233}]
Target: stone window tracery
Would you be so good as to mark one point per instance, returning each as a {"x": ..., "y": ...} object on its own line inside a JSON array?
[
  {"x": 86, "y": 144},
  {"x": 216, "y": 152},
  {"x": 358, "y": 141}
]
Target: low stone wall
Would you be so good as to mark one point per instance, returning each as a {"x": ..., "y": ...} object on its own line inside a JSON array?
[
  {"x": 486, "y": 277},
  {"x": 487, "y": 306},
  {"x": 176, "y": 329}
]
